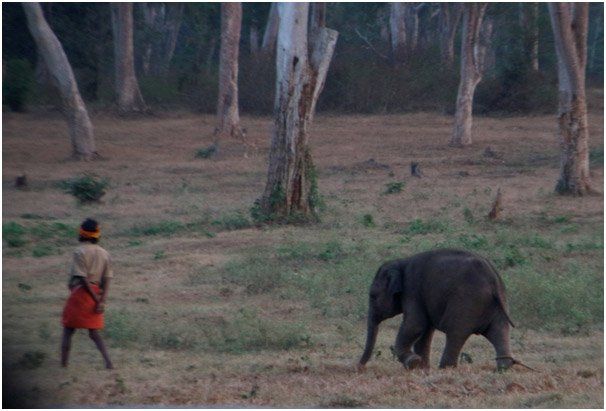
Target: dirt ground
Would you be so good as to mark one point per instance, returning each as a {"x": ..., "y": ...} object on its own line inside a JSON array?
[{"x": 154, "y": 176}]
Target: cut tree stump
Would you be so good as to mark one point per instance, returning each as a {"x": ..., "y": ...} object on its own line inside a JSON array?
[{"x": 497, "y": 206}]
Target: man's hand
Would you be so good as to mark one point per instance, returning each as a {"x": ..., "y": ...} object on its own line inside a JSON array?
[{"x": 100, "y": 307}]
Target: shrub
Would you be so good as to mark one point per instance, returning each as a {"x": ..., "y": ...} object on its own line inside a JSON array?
[
  {"x": 207, "y": 152},
  {"x": 32, "y": 359},
  {"x": 368, "y": 221},
  {"x": 394, "y": 187},
  {"x": 13, "y": 234},
  {"x": 18, "y": 80},
  {"x": 87, "y": 188}
]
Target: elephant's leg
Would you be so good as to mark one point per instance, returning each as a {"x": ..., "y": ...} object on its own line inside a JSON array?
[
  {"x": 410, "y": 331},
  {"x": 454, "y": 344},
  {"x": 498, "y": 335},
  {"x": 423, "y": 347}
]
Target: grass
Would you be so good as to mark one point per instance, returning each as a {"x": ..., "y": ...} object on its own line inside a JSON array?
[{"x": 207, "y": 309}]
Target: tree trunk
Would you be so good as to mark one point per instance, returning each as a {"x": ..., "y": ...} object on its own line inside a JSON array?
[
  {"x": 128, "y": 94},
  {"x": 228, "y": 116},
  {"x": 163, "y": 23},
  {"x": 61, "y": 74},
  {"x": 254, "y": 40},
  {"x": 271, "y": 30},
  {"x": 569, "y": 23},
  {"x": 471, "y": 72},
  {"x": 450, "y": 15},
  {"x": 397, "y": 29},
  {"x": 529, "y": 22},
  {"x": 301, "y": 68},
  {"x": 318, "y": 16}
]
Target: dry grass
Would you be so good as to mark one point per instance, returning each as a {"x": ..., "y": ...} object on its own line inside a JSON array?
[{"x": 174, "y": 307}]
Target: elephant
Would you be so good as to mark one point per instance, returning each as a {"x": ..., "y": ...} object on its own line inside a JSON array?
[{"x": 453, "y": 291}]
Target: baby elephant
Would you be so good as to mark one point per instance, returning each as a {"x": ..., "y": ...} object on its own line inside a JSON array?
[{"x": 453, "y": 291}]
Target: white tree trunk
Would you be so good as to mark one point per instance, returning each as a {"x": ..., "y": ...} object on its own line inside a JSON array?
[
  {"x": 569, "y": 22},
  {"x": 397, "y": 29},
  {"x": 128, "y": 94},
  {"x": 228, "y": 116},
  {"x": 471, "y": 72},
  {"x": 271, "y": 30},
  {"x": 61, "y": 74},
  {"x": 301, "y": 70}
]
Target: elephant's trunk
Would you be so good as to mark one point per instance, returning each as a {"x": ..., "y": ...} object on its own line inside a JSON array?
[{"x": 371, "y": 338}]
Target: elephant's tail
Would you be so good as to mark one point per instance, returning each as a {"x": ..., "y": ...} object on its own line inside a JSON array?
[{"x": 501, "y": 300}]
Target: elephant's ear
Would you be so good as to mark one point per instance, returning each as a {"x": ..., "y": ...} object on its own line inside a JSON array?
[{"x": 396, "y": 283}]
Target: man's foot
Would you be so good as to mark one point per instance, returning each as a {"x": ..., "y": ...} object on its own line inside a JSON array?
[{"x": 109, "y": 366}]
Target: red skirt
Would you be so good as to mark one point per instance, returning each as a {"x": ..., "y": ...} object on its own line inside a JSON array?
[{"x": 79, "y": 310}]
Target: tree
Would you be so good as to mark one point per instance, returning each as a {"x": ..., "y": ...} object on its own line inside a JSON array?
[
  {"x": 62, "y": 76},
  {"x": 529, "y": 22},
  {"x": 472, "y": 59},
  {"x": 404, "y": 28},
  {"x": 569, "y": 22},
  {"x": 449, "y": 17},
  {"x": 301, "y": 66},
  {"x": 162, "y": 26},
  {"x": 228, "y": 115},
  {"x": 128, "y": 94},
  {"x": 271, "y": 30}
]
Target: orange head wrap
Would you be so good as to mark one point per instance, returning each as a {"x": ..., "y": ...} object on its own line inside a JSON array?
[{"x": 90, "y": 234}]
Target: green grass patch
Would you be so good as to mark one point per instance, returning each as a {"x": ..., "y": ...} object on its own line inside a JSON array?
[
  {"x": 419, "y": 226},
  {"x": 14, "y": 234},
  {"x": 568, "y": 300},
  {"x": 233, "y": 221},
  {"x": 247, "y": 331},
  {"x": 44, "y": 250}
]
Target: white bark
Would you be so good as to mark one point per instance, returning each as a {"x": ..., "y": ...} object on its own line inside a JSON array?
[
  {"x": 62, "y": 76},
  {"x": 228, "y": 116},
  {"x": 127, "y": 90},
  {"x": 397, "y": 29},
  {"x": 569, "y": 22},
  {"x": 472, "y": 54},
  {"x": 271, "y": 30},
  {"x": 301, "y": 69}
]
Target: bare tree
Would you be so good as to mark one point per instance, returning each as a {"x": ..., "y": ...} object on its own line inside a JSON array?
[
  {"x": 404, "y": 28},
  {"x": 472, "y": 56},
  {"x": 62, "y": 76},
  {"x": 228, "y": 116},
  {"x": 449, "y": 17},
  {"x": 569, "y": 22},
  {"x": 128, "y": 94},
  {"x": 529, "y": 22},
  {"x": 301, "y": 68},
  {"x": 271, "y": 30},
  {"x": 163, "y": 23},
  {"x": 397, "y": 29}
]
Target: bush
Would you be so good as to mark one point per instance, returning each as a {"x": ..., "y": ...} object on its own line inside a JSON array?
[
  {"x": 394, "y": 187},
  {"x": 17, "y": 84},
  {"x": 87, "y": 189},
  {"x": 207, "y": 152}
]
